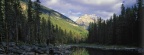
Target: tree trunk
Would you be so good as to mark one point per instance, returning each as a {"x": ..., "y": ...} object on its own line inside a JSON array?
[
  {"x": 7, "y": 38},
  {"x": 16, "y": 33}
]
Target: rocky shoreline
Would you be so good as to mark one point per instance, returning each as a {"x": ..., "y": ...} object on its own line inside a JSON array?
[
  {"x": 37, "y": 49},
  {"x": 14, "y": 49}
]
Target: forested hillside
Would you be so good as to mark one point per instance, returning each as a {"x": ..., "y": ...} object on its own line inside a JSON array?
[
  {"x": 24, "y": 21},
  {"x": 123, "y": 29}
]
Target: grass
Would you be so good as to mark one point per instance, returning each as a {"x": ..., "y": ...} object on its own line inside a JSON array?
[
  {"x": 65, "y": 25},
  {"x": 80, "y": 52}
]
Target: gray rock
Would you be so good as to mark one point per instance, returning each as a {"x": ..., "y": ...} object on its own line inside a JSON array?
[
  {"x": 15, "y": 50},
  {"x": 1, "y": 51},
  {"x": 43, "y": 49},
  {"x": 11, "y": 44},
  {"x": 34, "y": 47},
  {"x": 67, "y": 52},
  {"x": 26, "y": 48},
  {"x": 3, "y": 44},
  {"x": 28, "y": 53},
  {"x": 39, "y": 51}
]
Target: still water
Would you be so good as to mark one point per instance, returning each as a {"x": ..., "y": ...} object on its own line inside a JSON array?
[{"x": 91, "y": 51}]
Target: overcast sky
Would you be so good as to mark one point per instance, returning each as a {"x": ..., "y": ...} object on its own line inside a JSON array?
[{"x": 76, "y": 8}]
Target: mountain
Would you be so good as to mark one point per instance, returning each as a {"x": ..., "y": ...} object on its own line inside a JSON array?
[
  {"x": 50, "y": 12},
  {"x": 60, "y": 20},
  {"x": 85, "y": 20}
]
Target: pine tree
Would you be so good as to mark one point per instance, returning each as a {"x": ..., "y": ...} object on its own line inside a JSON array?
[
  {"x": 37, "y": 19},
  {"x": 7, "y": 21},
  {"x": 120, "y": 29},
  {"x": 114, "y": 28},
  {"x": 43, "y": 30},
  {"x": 139, "y": 21},
  {"x": 30, "y": 20},
  {"x": 1, "y": 20},
  {"x": 18, "y": 16}
]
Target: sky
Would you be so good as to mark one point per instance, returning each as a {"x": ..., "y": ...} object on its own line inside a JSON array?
[{"x": 76, "y": 8}]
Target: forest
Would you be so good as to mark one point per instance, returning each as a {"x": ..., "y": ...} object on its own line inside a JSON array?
[
  {"x": 19, "y": 26},
  {"x": 124, "y": 29},
  {"x": 35, "y": 29},
  {"x": 29, "y": 27}
]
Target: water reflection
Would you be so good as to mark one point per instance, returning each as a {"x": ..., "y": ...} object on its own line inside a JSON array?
[
  {"x": 79, "y": 51},
  {"x": 90, "y": 51}
]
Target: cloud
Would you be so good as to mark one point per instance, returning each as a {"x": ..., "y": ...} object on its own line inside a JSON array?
[
  {"x": 128, "y": 3},
  {"x": 104, "y": 15},
  {"x": 75, "y": 8},
  {"x": 54, "y": 1},
  {"x": 33, "y": 0},
  {"x": 98, "y": 2}
]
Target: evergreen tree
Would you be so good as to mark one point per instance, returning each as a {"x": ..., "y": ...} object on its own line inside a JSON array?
[
  {"x": 43, "y": 30},
  {"x": 139, "y": 20},
  {"x": 18, "y": 18},
  {"x": 30, "y": 20},
  {"x": 120, "y": 29},
  {"x": 8, "y": 21},
  {"x": 114, "y": 28},
  {"x": 37, "y": 19},
  {"x": 1, "y": 20}
]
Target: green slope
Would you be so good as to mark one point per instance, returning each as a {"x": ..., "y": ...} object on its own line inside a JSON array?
[
  {"x": 62, "y": 21},
  {"x": 65, "y": 25}
]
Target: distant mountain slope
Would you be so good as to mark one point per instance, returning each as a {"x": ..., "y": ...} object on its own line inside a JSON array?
[
  {"x": 55, "y": 13},
  {"x": 51, "y": 12},
  {"x": 62, "y": 21},
  {"x": 85, "y": 20}
]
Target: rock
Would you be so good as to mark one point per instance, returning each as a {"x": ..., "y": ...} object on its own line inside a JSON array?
[
  {"x": 34, "y": 47},
  {"x": 47, "y": 52},
  {"x": 11, "y": 44},
  {"x": 3, "y": 44},
  {"x": 1, "y": 51},
  {"x": 16, "y": 47},
  {"x": 28, "y": 53},
  {"x": 44, "y": 45},
  {"x": 43, "y": 49},
  {"x": 26, "y": 48},
  {"x": 57, "y": 52},
  {"x": 67, "y": 52},
  {"x": 39, "y": 51},
  {"x": 86, "y": 19},
  {"x": 15, "y": 50}
]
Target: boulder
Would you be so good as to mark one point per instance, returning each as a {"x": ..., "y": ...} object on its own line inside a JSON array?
[
  {"x": 26, "y": 48},
  {"x": 3, "y": 44},
  {"x": 11, "y": 44},
  {"x": 15, "y": 50},
  {"x": 1, "y": 51}
]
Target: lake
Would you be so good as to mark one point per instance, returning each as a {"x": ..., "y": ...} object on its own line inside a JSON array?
[{"x": 92, "y": 51}]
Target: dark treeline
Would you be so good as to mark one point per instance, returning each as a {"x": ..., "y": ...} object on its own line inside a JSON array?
[
  {"x": 123, "y": 29},
  {"x": 27, "y": 26}
]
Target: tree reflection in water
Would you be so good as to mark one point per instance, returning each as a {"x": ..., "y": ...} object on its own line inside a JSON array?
[
  {"x": 91, "y": 51},
  {"x": 79, "y": 51}
]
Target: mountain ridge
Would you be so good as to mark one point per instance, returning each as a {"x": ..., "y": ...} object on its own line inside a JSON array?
[
  {"x": 86, "y": 19},
  {"x": 62, "y": 21},
  {"x": 52, "y": 12}
]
